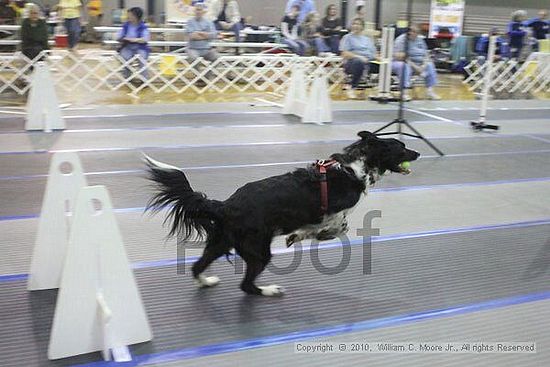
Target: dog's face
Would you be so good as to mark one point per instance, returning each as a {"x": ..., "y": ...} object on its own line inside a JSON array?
[{"x": 379, "y": 154}]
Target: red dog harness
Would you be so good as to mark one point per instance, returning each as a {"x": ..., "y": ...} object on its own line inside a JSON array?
[{"x": 322, "y": 166}]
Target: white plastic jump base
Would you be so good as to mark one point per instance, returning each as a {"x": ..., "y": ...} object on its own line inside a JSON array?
[
  {"x": 99, "y": 307},
  {"x": 318, "y": 108},
  {"x": 65, "y": 180},
  {"x": 313, "y": 108},
  {"x": 43, "y": 111},
  {"x": 296, "y": 95}
]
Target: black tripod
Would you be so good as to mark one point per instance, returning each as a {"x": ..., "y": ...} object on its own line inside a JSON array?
[{"x": 400, "y": 120}]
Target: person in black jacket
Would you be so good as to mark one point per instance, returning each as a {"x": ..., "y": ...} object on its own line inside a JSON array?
[
  {"x": 540, "y": 27},
  {"x": 34, "y": 34},
  {"x": 331, "y": 26}
]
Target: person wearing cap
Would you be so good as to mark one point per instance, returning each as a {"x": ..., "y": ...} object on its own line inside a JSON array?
[
  {"x": 133, "y": 38},
  {"x": 200, "y": 32}
]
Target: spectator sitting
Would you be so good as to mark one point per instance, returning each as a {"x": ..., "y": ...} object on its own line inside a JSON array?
[
  {"x": 357, "y": 50},
  {"x": 7, "y": 13},
  {"x": 540, "y": 26},
  {"x": 18, "y": 7},
  {"x": 418, "y": 61},
  {"x": 516, "y": 33},
  {"x": 360, "y": 12},
  {"x": 305, "y": 6},
  {"x": 331, "y": 27},
  {"x": 312, "y": 34},
  {"x": 34, "y": 34},
  {"x": 70, "y": 12},
  {"x": 133, "y": 38},
  {"x": 225, "y": 15},
  {"x": 482, "y": 45},
  {"x": 200, "y": 32},
  {"x": 291, "y": 32}
]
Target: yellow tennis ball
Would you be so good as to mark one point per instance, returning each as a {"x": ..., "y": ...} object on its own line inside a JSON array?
[{"x": 405, "y": 165}]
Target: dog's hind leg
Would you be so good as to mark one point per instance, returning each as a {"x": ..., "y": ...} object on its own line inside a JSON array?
[
  {"x": 210, "y": 254},
  {"x": 255, "y": 265}
]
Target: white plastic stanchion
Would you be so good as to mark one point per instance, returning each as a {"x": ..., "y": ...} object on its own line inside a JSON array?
[
  {"x": 314, "y": 107},
  {"x": 296, "y": 96},
  {"x": 385, "y": 67},
  {"x": 318, "y": 108},
  {"x": 480, "y": 125},
  {"x": 65, "y": 180},
  {"x": 99, "y": 307},
  {"x": 43, "y": 111}
]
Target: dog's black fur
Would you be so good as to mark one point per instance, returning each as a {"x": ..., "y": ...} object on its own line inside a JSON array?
[{"x": 286, "y": 204}]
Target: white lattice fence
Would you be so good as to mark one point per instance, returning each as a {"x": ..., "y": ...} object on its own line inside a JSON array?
[
  {"x": 15, "y": 73},
  {"x": 532, "y": 76},
  {"x": 166, "y": 72}
]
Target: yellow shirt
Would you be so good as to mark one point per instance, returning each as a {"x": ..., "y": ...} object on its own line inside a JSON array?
[
  {"x": 94, "y": 8},
  {"x": 70, "y": 9}
]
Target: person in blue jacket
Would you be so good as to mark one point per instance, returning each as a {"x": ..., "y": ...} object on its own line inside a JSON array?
[
  {"x": 516, "y": 33},
  {"x": 540, "y": 26},
  {"x": 133, "y": 38},
  {"x": 482, "y": 45}
]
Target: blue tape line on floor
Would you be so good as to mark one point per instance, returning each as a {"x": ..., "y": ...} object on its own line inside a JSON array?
[
  {"x": 324, "y": 246},
  {"x": 268, "y": 341}
]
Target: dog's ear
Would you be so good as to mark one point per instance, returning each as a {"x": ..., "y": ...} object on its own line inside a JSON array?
[{"x": 367, "y": 135}]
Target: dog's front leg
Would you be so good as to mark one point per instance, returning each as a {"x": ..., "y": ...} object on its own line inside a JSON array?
[{"x": 255, "y": 265}]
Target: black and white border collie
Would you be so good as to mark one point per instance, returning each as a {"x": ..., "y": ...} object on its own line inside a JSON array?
[{"x": 288, "y": 204}]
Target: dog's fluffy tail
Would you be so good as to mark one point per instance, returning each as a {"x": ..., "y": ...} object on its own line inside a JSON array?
[{"x": 187, "y": 210}]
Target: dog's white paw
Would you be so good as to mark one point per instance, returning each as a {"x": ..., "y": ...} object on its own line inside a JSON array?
[
  {"x": 204, "y": 281},
  {"x": 272, "y": 290}
]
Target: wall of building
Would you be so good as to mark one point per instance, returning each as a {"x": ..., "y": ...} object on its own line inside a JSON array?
[{"x": 270, "y": 12}]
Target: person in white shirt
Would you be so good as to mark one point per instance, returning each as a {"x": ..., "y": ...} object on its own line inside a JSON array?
[{"x": 226, "y": 16}]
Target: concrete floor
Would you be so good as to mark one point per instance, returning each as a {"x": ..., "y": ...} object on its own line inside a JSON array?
[{"x": 490, "y": 184}]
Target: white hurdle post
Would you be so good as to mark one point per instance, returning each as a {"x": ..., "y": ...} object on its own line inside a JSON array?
[
  {"x": 480, "y": 124},
  {"x": 99, "y": 307},
  {"x": 384, "y": 75},
  {"x": 43, "y": 111},
  {"x": 65, "y": 180},
  {"x": 296, "y": 96},
  {"x": 314, "y": 107},
  {"x": 318, "y": 108}
]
